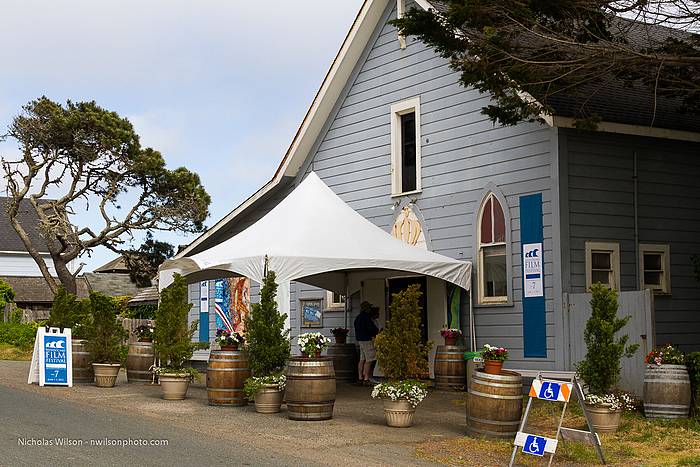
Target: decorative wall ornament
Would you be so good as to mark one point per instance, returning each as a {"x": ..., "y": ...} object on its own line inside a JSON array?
[
  {"x": 232, "y": 303},
  {"x": 408, "y": 228}
]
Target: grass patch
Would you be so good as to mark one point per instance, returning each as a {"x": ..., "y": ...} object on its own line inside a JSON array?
[
  {"x": 10, "y": 352},
  {"x": 639, "y": 441}
]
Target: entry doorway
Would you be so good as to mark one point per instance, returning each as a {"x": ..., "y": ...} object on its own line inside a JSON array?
[{"x": 397, "y": 285}]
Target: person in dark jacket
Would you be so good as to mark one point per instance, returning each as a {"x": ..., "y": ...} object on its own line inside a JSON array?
[{"x": 365, "y": 332}]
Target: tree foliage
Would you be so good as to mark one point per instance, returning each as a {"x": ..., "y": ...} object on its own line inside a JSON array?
[
  {"x": 79, "y": 156},
  {"x": 400, "y": 349},
  {"x": 69, "y": 312},
  {"x": 268, "y": 340},
  {"x": 143, "y": 262},
  {"x": 7, "y": 294},
  {"x": 173, "y": 337},
  {"x": 578, "y": 47},
  {"x": 105, "y": 333},
  {"x": 600, "y": 369}
]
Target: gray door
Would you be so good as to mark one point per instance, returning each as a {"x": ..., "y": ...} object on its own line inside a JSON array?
[{"x": 638, "y": 304}]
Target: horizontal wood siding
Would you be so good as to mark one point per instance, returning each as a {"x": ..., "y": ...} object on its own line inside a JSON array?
[
  {"x": 462, "y": 152},
  {"x": 601, "y": 204},
  {"x": 23, "y": 265}
]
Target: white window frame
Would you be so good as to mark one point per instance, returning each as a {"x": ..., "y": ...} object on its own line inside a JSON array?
[
  {"x": 503, "y": 299},
  {"x": 603, "y": 247},
  {"x": 397, "y": 110},
  {"x": 331, "y": 305},
  {"x": 665, "y": 252}
]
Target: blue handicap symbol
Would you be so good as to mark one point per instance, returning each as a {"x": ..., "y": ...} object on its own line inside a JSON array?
[
  {"x": 549, "y": 391},
  {"x": 534, "y": 445}
]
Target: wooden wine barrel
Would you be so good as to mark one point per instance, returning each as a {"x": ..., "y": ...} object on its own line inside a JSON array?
[
  {"x": 310, "y": 391},
  {"x": 344, "y": 361},
  {"x": 666, "y": 391},
  {"x": 449, "y": 367},
  {"x": 226, "y": 374},
  {"x": 495, "y": 404},
  {"x": 82, "y": 368},
  {"x": 139, "y": 361}
]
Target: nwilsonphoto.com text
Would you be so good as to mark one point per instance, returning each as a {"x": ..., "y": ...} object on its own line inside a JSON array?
[{"x": 96, "y": 442}]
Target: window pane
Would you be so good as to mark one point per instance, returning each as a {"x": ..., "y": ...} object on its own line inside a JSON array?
[
  {"x": 337, "y": 298},
  {"x": 486, "y": 224},
  {"x": 499, "y": 222},
  {"x": 652, "y": 262},
  {"x": 408, "y": 152},
  {"x": 652, "y": 278},
  {"x": 601, "y": 260},
  {"x": 494, "y": 272},
  {"x": 600, "y": 276}
]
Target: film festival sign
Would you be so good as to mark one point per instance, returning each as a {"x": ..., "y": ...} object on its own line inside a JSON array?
[{"x": 52, "y": 364}]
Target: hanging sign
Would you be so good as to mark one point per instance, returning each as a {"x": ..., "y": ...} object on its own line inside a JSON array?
[
  {"x": 204, "y": 311},
  {"x": 52, "y": 362},
  {"x": 532, "y": 269}
]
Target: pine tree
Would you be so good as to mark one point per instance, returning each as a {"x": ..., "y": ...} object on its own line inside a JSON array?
[
  {"x": 600, "y": 369},
  {"x": 173, "y": 337},
  {"x": 68, "y": 312},
  {"x": 400, "y": 349},
  {"x": 105, "y": 333},
  {"x": 268, "y": 341}
]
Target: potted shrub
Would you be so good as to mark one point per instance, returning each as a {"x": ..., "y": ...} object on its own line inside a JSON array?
[
  {"x": 451, "y": 335},
  {"x": 493, "y": 359},
  {"x": 404, "y": 359},
  {"x": 104, "y": 342},
  {"x": 600, "y": 368},
  {"x": 228, "y": 340},
  {"x": 69, "y": 312},
  {"x": 144, "y": 333},
  {"x": 173, "y": 341},
  {"x": 268, "y": 350},
  {"x": 340, "y": 335},
  {"x": 667, "y": 389},
  {"x": 312, "y": 344}
]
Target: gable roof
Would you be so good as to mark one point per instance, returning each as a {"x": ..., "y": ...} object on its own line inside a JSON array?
[
  {"x": 112, "y": 284},
  {"x": 330, "y": 91},
  {"x": 118, "y": 264},
  {"x": 9, "y": 240},
  {"x": 33, "y": 290}
]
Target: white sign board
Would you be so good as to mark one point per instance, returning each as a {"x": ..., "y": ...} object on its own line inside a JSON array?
[
  {"x": 52, "y": 362},
  {"x": 533, "y": 270}
]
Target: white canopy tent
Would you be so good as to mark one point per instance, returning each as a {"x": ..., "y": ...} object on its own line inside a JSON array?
[{"x": 313, "y": 237}]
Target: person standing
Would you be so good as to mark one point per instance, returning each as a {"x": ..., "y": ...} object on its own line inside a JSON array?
[{"x": 365, "y": 332}]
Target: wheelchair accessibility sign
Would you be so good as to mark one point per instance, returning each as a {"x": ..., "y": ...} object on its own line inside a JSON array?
[
  {"x": 535, "y": 445},
  {"x": 551, "y": 390}
]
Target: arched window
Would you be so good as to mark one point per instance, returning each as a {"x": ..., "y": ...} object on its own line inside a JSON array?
[{"x": 493, "y": 271}]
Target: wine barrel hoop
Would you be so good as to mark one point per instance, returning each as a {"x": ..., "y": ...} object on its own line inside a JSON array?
[
  {"x": 82, "y": 368},
  {"x": 139, "y": 361},
  {"x": 494, "y": 405},
  {"x": 310, "y": 392},
  {"x": 666, "y": 391},
  {"x": 226, "y": 374}
]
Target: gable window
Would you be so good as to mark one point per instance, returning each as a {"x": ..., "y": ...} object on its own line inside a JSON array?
[
  {"x": 654, "y": 268},
  {"x": 493, "y": 270},
  {"x": 405, "y": 147},
  {"x": 334, "y": 300},
  {"x": 603, "y": 264}
]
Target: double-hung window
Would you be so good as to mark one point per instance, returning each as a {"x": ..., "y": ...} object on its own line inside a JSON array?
[
  {"x": 654, "y": 268},
  {"x": 603, "y": 264},
  {"x": 405, "y": 147},
  {"x": 493, "y": 270}
]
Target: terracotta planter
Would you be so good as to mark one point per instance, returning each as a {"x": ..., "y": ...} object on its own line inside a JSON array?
[
  {"x": 398, "y": 414},
  {"x": 268, "y": 399},
  {"x": 450, "y": 341},
  {"x": 317, "y": 354},
  {"x": 340, "y": 339},
  {"x": 603, "y": 419},
  {"x": 174, "y": 386},
  {"x": 493, "y": 367},
  {"x": 105, "y": 374},
  {"x": 229, "y": 348}
]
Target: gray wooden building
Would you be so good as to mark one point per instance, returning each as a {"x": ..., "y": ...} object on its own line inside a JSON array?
[{"x": 393, "y": 133}]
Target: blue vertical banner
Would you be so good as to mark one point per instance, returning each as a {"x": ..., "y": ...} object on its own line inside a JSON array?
[
  {"x": 204, "y": 311},
  {"x": 532, "y": 259}
]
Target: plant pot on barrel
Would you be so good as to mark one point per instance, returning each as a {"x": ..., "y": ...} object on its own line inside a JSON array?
[
  {"x": 344, "y": 356},
  {"x": 104, "y": 341},
  {"x": 227, "y": 370},
  {"x": 268, "y": 350},
  {"x": 493, "y": 359},
  {"x": 68, "y": 312},
  {"x": 600, "y": 368},
  {"x": 310, "y": 391},
  {"x": 173, "y": 340},
  {"x": 404, "y": 359},
  {"x": 141, "y": 357},
  {"x": 667, "y": 388},
  {"x": 340, "y": 335}
]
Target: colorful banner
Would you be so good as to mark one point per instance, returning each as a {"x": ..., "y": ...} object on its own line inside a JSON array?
[
  {"x": 204, "y": 311},
  {"x": 232, "y": 303},
  {"x": 534, "y": 313}
]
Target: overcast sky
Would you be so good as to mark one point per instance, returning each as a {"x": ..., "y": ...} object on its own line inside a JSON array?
[{"x": 219, "y": 86}]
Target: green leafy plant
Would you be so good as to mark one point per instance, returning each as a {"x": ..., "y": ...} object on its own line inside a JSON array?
[
  {"x": 21, "y": 335},
  {"x": 600, "y": 369},
  {"x": 255, "y": 383},
  {"x": 491, "y": 352},
  {"x": 268, "y": 341},
  {"x": 140, "y": 312},
  {"x": 408, "y": 389},
  {"x": 7, "y": 294},
  {"x": 69, "y": 312},
  {"x": 400, "y": 350},
  {"x": 173, "y": 337},
  {"x": 693, "y": 362},
  {"x": 667, "y": 354},
  {"x": 105, "y": 333}
]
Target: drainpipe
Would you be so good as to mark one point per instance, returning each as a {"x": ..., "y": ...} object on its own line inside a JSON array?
[{"x": 636, "y": 218}]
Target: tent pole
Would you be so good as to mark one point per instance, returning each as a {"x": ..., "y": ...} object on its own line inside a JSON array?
[{"x": 347, "y": 301}]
